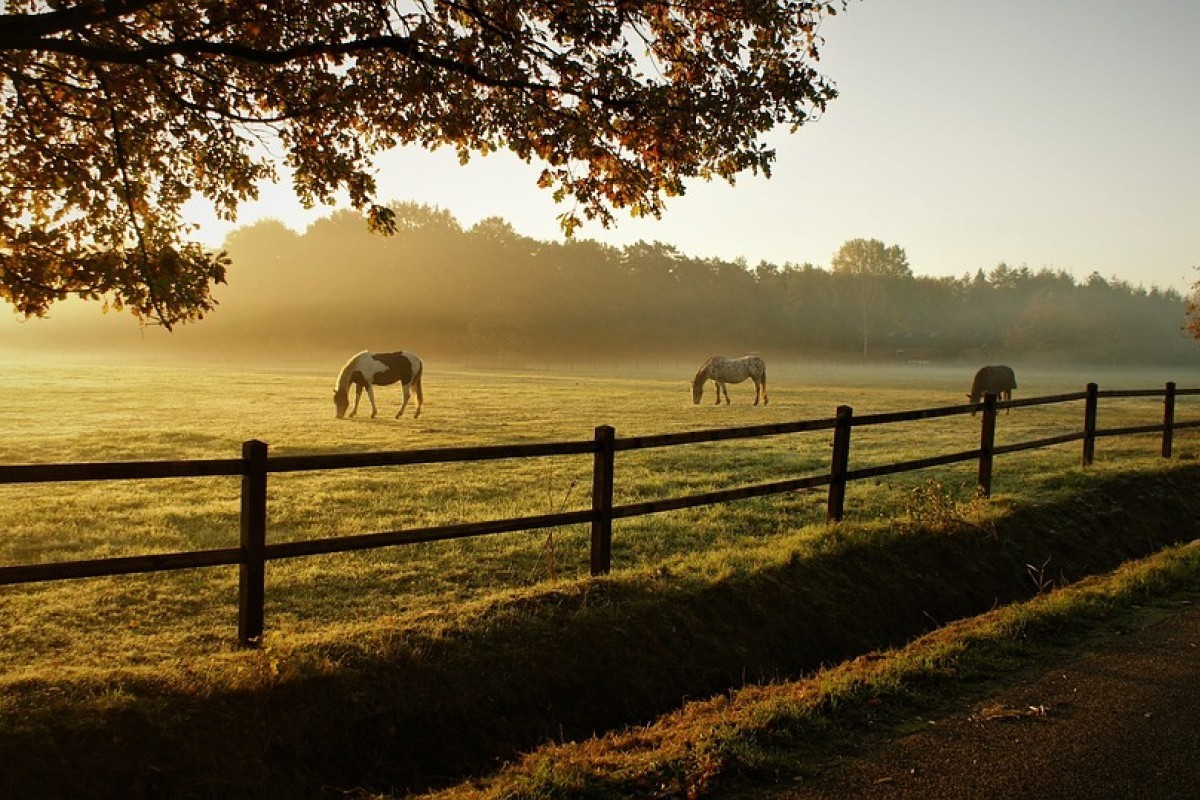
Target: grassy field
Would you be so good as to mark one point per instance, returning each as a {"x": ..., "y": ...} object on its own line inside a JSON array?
[
  {"x": 482, "y": 636},
  {"x": 98, "y": 411}
]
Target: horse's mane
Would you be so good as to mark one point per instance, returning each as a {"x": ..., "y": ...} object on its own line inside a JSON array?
[
  {"x": 343, "y": 379},
  {"x": 702, "y": 373}
]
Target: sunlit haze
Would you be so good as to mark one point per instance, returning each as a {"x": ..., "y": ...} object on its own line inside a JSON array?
[{"x": 1049, "y": 134}]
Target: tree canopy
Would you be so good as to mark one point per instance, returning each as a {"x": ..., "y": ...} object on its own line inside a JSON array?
[
  {"x": 871, "y": 258},
  {"x": 486, "y": 294},
  {"x": 1193, "y": 310},
  {"x": 117, "y": 112},
  {"x": 878, "y": 273}
]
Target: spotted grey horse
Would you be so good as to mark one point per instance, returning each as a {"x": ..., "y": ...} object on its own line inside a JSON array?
[{"x": 721, "y": 370}]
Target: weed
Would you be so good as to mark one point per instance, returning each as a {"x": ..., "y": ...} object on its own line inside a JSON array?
[
  {"x": 548, "y": 551},
  {"x": 932, "y": 506},
  {"x": 1041, "y": 581}
]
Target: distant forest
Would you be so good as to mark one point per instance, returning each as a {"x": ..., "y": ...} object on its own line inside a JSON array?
[{"x": 489, "y": 292}]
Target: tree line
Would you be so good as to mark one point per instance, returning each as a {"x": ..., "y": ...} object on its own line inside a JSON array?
[{"x": 488, "y": 291}]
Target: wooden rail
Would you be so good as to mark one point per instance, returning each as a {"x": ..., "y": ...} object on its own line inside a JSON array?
[{"x": 256, "y": 464}]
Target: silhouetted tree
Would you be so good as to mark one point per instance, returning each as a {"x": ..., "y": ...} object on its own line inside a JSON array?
[
  {"x": 117, "y": 112},
  {"x": 490, "y": 291},
  {"x": 875, "y": 273}
]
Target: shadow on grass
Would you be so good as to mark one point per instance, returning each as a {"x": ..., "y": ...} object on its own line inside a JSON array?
[{"x": 411, "y": 713}]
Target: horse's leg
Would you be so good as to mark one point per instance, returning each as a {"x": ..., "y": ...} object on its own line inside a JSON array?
[
  {"x": 371, "y": 397},
  {"x": 717, "y": 384},
  {"x": 404, "y": 402},
  {"x": 357, "y": 397},
  {"x": 725, "y": 391},
  {"x": 763, "y": 384},
  {"x": 420, "y": 398}
]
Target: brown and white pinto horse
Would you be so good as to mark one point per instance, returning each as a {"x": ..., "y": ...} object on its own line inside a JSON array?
[
  {"x": 367, "y": 370},
  {"x": 721, "y": 370}
]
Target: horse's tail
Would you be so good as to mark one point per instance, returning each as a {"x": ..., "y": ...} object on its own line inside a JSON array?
[
  {"x": 416, "y": 386},
  {"x": 761, "y": 389}
]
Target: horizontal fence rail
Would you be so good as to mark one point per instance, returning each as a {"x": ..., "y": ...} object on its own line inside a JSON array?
[
  {"x": 120, "y": 471},
  {"x": 256, "y": 464},
  {"x": 128, "y": 565},
  {"x": 399, "y": 458}
]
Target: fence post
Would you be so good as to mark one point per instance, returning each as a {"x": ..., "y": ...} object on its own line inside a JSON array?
[
  {"x": 839, "y": 464},
  {"x": 987, "y": 443},
  {"x": 602, "y": 499},
  {"x": 1168, "y": 419},
  {"x": 1089, "y": 423},
  {"x": 252, "y": 569}
]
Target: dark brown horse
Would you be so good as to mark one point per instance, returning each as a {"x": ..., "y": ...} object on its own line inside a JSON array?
[{"x": 997, "y": 379}]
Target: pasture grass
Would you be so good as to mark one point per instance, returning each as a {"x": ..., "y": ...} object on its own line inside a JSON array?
[
  {"x": 98, "y": 411},
  {"x": 326, "y": 614}
]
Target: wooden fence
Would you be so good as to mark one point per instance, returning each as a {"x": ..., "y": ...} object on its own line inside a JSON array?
[{"x": 256, "y": 464}]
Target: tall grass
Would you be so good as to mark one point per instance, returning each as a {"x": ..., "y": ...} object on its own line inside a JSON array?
[{"x": 99, "y": 411}]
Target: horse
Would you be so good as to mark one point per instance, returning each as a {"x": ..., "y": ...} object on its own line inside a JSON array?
[
  {"x": 721, "y": 370},
  {"x": 367, "y": 370},
  {"x": 997, "y": 379}
]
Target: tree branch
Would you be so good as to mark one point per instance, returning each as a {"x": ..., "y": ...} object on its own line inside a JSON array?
[
  {"x": 403, "y": 46},
  {"x": 18, "y": 29}
]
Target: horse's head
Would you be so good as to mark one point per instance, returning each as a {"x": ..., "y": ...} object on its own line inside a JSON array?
[
  {"x": 341, "y": 401},
  {"x": 697, "y": 389}
]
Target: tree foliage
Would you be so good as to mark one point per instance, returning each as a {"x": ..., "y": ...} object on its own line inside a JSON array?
[
  {"x": 876, "y": 274},
  {"x": 487, "y": 292},
  {"x": 1193, "y": 310},
  {"x": 117, "y": 112},
  {"x": 871, "y": 258}
]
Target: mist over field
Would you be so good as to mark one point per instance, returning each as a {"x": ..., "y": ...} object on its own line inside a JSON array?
[
  {"x": 523, "y": 342},
  {"x": 491, "y": 296}
]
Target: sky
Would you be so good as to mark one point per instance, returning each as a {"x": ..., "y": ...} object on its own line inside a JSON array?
[{"x": 1061, "y": 134}]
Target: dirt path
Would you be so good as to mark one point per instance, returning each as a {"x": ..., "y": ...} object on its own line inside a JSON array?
[{"x": 1122, "y": 722}]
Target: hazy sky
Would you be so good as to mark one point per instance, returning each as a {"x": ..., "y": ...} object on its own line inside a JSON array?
[{"x": 1060, "y": 133}]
